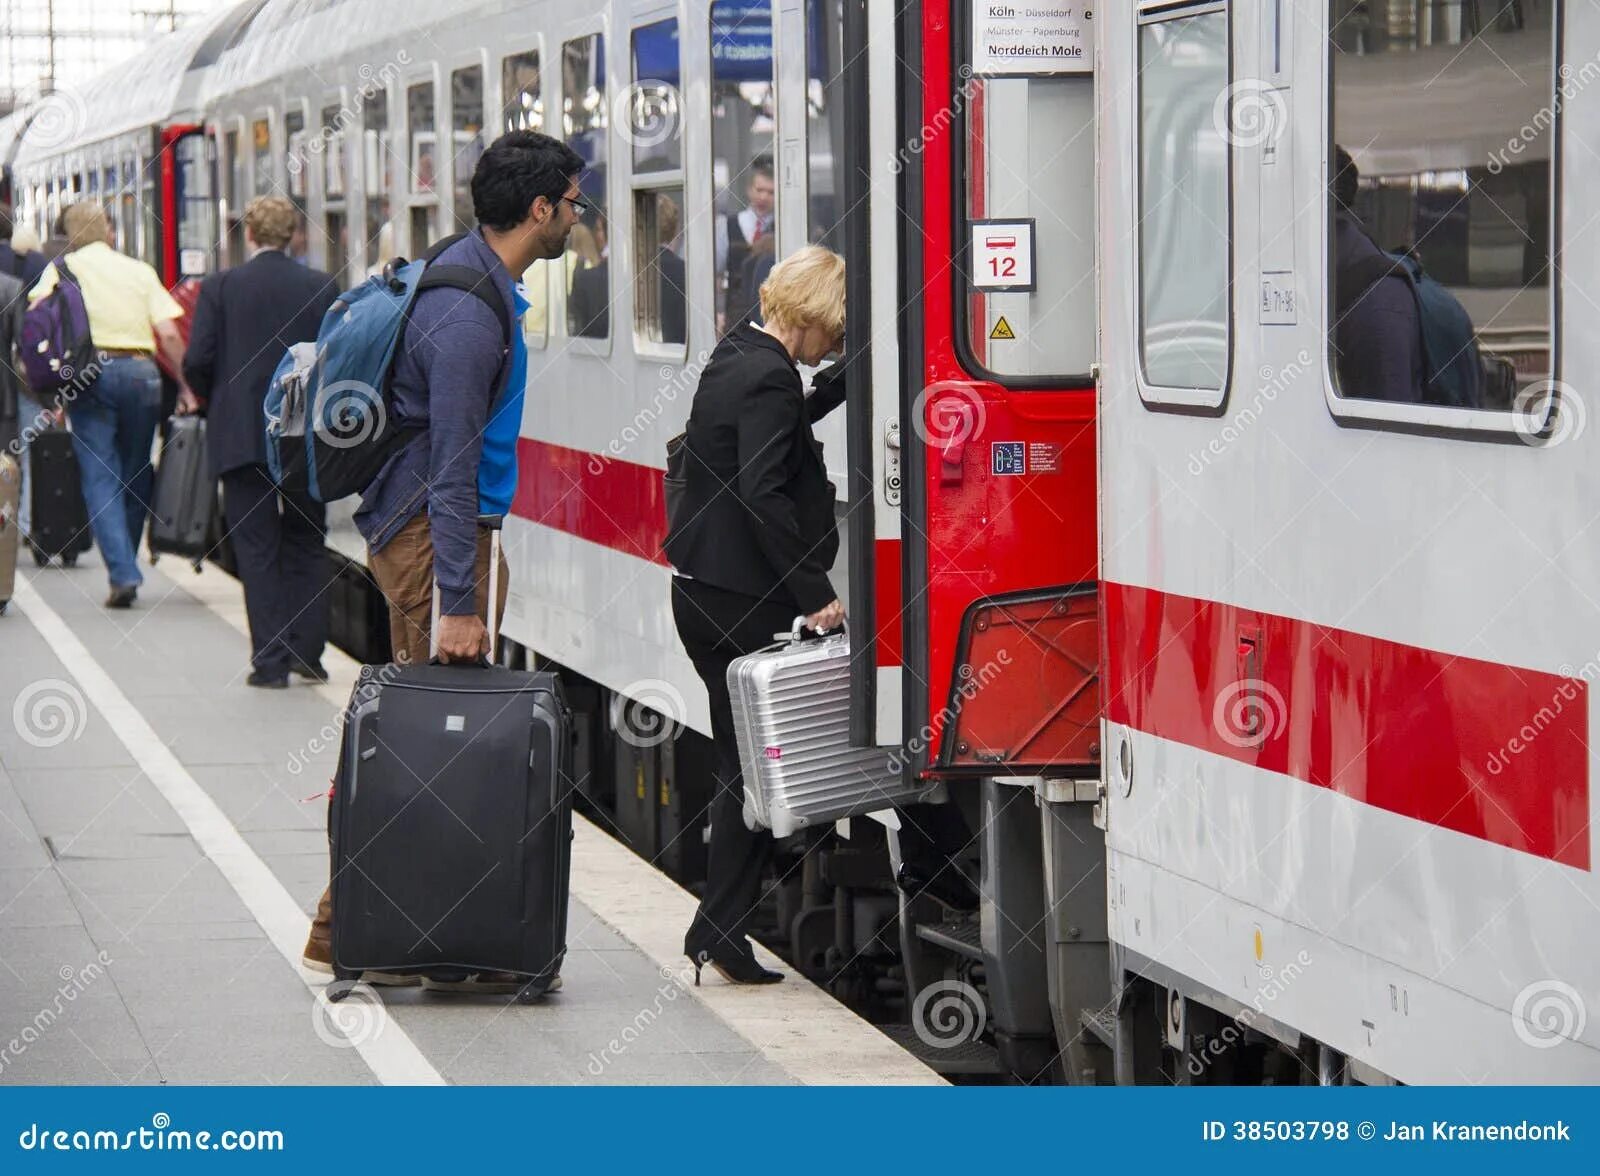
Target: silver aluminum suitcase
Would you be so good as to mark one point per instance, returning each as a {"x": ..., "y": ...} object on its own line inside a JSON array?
[{"x": 791, "y": 715}]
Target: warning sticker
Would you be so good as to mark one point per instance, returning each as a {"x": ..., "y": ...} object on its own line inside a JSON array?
[
  {"x": 1044, "y": 457},
  {"x": 1008, "y": 457},
  {"x": 1002, "y": 329}
]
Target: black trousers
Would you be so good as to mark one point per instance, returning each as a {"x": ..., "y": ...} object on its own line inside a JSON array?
[
  {"x": 278, "y": 540},
  {"x": 717, "y": 626}
]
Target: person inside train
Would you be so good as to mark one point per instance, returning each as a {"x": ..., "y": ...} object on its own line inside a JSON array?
[
  {"x": 750, "y": 547},
  {"x": 462, "y": 387},
  {"x": 672, "y": 284},
  {"x": 589, "y": 297},
  {"x": 243, "y": 320},
  {"x": 114, "y": 419},
  {"x": 1377, "y": 335},
  {"x": 739, "y": 233}
]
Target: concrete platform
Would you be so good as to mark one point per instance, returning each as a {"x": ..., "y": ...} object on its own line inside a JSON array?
[{"x": 162, "y": 845}]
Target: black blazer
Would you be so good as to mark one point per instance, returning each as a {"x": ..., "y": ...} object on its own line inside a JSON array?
[
  {"x": 756, "y": 513},
  {"x": 245, "y": 319}
]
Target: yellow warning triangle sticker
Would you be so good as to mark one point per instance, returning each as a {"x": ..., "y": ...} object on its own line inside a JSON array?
[{"x": 1002, "y": 329}]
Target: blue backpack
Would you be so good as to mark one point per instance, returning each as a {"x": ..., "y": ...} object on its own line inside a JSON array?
[
  {"x": 1453, "y": 368},
  {"x": 330, "y": 425}
]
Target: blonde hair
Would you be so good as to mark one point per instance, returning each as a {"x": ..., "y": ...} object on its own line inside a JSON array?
[
  {"x": 270, "y": 221},
  {"x": 24, "y": 239},
  {"x": 84, "y": 223},
  {"x": 806, "y": 289}
]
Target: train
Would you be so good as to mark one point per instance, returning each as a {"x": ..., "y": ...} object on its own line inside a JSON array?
[{"x": 1266, "y": 698}]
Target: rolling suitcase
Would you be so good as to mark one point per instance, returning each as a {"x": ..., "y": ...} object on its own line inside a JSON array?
[
  {"x": 451, "y": 823},
  {"x": 60, "y": 521},
  {"x": 791, "y": 716},
  {"x": 10, "y": 487},
  {"x": 185, "y": 497}
]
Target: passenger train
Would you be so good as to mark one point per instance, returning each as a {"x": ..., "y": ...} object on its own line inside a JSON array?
[{"x": 1267, "y": 697}]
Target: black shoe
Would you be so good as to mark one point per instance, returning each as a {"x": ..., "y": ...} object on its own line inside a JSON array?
[
  {"x": 267, "y": 681},
  {"x": 314, "y": 672},
  {"x": 122, "y": 597},
  {"x": 735, "y": 968},
  {"x": 949, "y": 887}
]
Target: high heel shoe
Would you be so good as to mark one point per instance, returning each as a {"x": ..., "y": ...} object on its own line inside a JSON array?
[{"x": 735, "y": 969}]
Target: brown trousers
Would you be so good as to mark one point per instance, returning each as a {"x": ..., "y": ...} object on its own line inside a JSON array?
[{"x": 404, "y": 572}]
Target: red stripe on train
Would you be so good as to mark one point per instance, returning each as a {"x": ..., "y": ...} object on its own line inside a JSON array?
[
  {"x": 617, "y": 504},
  {"x": 1493, "y": 751}
]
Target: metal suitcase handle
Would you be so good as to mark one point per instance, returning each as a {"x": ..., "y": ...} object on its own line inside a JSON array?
[{"x": 493, "y": 522}]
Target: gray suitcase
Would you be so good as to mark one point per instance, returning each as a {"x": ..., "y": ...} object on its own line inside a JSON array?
[
  {"x": 791, "y": 716},
  {"x": 10, "y": 526},
  {"x": 185, "y": 495}
]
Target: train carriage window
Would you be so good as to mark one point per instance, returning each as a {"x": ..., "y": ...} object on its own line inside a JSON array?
[
  {"x": 335, "y": 227},
  {"x": 378, "y": 165},
  {"x": 1183, "y": 207},
  {"x": 196, "y": 210},
  {"x": 521, "y": 106},
  {"x": 1441, "y": 238},
  {"x": 294, "y": 164},
  {"x": 420, "y": 127},
  {"x": 825, "y": 123},
  {"x": 743, "y": 109},
  {"x": 584, "y": 111},
  {"x": 233, "y": 196},
  {"x": 1030, "y": 168},
  {"x": 263, "y": 168},
  {"x": 651, "y": 125},
  {"x": 660, "y": 289},
  {"x": 466, "y": 137},
  {"x": 652, "y": 122}
]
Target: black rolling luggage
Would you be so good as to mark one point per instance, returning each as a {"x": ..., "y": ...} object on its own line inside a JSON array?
[
  {"x": 185, "y": 496},
  {"x": 451, "y": 823},
  {"x": 59, "y": 520}
]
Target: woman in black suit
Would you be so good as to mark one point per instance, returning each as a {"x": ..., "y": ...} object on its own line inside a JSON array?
[{"x": 752, "y": 540}]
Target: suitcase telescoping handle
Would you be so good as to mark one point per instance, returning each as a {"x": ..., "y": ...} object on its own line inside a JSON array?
[
  {"x": 492, "y": 522},
  {"x": 793, "y": 635}
]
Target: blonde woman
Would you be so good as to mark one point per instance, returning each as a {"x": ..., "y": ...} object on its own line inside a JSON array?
[{"x": 751, "y": 545}]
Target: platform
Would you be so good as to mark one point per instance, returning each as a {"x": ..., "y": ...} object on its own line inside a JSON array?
[{"x": 162, "y": 845}]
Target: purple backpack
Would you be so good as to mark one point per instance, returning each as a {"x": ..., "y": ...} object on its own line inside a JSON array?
[{"x": 58, "y": 356}]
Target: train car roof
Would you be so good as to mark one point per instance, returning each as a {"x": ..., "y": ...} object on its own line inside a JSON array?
[
  {"x": 161, "y": 80},
  {"x": 295, "y": 35}
]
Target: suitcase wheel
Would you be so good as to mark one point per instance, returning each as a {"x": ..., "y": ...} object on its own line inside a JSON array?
[
  {"x": 533, "y": 992},
  {"x": 69, "y": 560},
  {"x": 40, "y": 559},
  {"x": 4, "y": 604}
]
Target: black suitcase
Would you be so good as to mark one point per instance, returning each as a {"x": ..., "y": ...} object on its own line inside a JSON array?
[
  {"x": 451, "y": 824},
  {"x": 185, "y": 497},
  {"x": 59, "y": 520}
]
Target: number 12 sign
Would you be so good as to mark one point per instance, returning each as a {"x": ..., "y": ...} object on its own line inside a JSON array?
[{"x": 1002, "y": 254}]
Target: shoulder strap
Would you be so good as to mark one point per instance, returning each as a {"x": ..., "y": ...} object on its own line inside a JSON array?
[
  {"x": 476, "y": 282},
  {"x": 440, "y": 246},
  {"x": 62, "y": 272}
]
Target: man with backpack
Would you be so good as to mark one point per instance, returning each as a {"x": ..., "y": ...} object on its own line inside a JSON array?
[
  {"x": 244, "y": 319},
  {"x": 457, "y": 386}
]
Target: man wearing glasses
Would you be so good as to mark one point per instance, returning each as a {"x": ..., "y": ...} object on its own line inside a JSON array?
[{"x": 460, "y": 374}]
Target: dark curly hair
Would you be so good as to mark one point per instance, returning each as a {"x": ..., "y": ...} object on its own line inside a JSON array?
[{"x": 518, "y": 167}]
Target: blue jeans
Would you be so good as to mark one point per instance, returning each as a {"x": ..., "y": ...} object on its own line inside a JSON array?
[{"x": 113, "y": 428}]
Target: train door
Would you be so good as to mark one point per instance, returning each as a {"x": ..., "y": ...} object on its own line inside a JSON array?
[{"x": 985, "y": 612}]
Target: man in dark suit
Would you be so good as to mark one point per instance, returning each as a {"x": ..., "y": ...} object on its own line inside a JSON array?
[{"x": 245, "y": 319}]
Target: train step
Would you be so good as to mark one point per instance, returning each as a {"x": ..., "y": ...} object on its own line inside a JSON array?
[
  {"x": 954, "y": 1059},
  {"x": 962, "y": 937}
]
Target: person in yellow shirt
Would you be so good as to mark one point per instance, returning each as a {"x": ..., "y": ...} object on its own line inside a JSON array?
[{"x": 114, "y": 418}]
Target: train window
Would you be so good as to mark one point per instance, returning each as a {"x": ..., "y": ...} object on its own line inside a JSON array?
[
  {"x": 294, "y": 164},
  {"x": 196, "y": 211},
  {"x": 583, "y": 106},
  {"x": 1030, "y": 161},
  {"x": 420, "y": 127},
  {"x": 263, "y": 164},
  {"x": 825, "y": 125},
  {"x": 128, "y": 231},
  {"x": 1183, "y": 207},
  {"x": 233, "y": 189},
  {"x": 377, "y": 172},
  {"x": 521, "y": 106},
  {"x": 335, "y": 227},
  {"x": 743, "y": 109},
  {"x": 653, "y": 103},
  {"x": 466, "y": 136},
  {"x": 660, "y": 299},
  {"x": 1441, "y": 174}
]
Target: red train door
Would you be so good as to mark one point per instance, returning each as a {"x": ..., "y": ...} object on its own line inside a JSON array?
[{"x": 998, "y": 553}]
